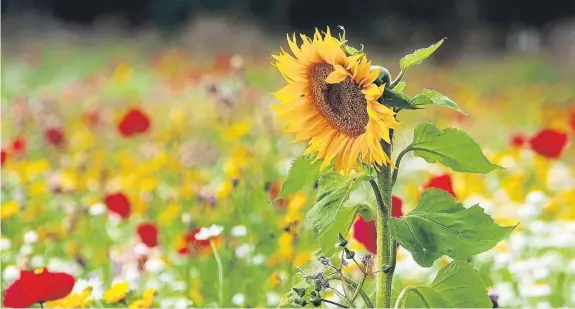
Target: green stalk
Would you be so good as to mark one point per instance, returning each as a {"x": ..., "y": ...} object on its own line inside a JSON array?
[
  {"x": 385, "y": 258},
  {"x": 220, "y": 274}
]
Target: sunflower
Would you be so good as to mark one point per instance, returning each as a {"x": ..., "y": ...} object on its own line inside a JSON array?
[{"x": 331, "y": 102}]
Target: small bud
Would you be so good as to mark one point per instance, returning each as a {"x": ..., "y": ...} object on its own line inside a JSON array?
[
  {"x": 314, "y": 294},
  {"x": 384, "y": 76},
  {"x": 366, "y": 259},
  {"x": 299, "y": 291},
  {"x": 349, "y": 254},
  {"x": 325, "y": 261},
  {"x": 316, "y": 302},
  {"x": 386, "y": 268},
  {"x": 300, "y": 302},
  {"x": 342, "y": 241},
  {"x": 320, "y": 283}
]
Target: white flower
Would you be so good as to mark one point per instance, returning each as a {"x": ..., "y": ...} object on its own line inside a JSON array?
[
  {"x": 186, "y": 218},
  {"x": 258, "y": 259},
  {"x": 239, "y": 231},
  {"x": 11, "y": 273},
  {"x": 273, "y": 299},
  {"x": 166, "y": 277},
  {"x": 154, "y": 265},
  {"x": 5, "y": 244},
  {"x": 238, "y": 299},
  {"x": 37, "y": 261},
  {"x": 26, "y": 250},
  {"x": 534, "y": 290},
  {"x": 244, "y": 251},
  {"x": 179, "y": 286},
  {"x": 30, "y": 237},
  {"x": 93, "y": 283},
  {"x": 206, "y": 233},
  {"x": 97, "y": 209},
  {"x": 141, "y": 249}
]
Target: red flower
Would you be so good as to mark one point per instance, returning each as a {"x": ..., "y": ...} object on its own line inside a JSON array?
[
  {"x": 54, "y": 136},
  {"x": 197, "y": 244},
  {"x": 119, "y": 204},
  {"x": 32, "y": 288},
  {"x": 4, "y": 156},
  {"x": 518, "y": 140},
  {"x": 365, "y": 231},
  {"x": 92, "y": 118},
  {"x": 442, "y": 182},
  {"x": 18, "y": 146},
  {"x": 573, "y": 120},
  {"x": 148, "y": 234},
  {"x": 134, "y": 122},
  {"x": 549, "y": 143}
]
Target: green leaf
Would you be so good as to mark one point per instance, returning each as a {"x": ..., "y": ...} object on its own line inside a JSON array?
[
  {"x": 328, "y": 237},
  {"x": 333, "y": 192},
  {"x": 303, "y": 172},
  {"x": 428, "y": 96},
  {"x": 399, "y": 87},
  {"x": 451, "y": 147},
  {"x": 439, "y": 225},
  {"x": 399, "y": 100},
  {"x": 418, "y": 56},
  {"x": 298, "y": 281},
  {"x": 457, "y": 285}
]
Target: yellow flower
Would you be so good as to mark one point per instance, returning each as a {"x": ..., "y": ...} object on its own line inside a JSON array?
[
  {"x": 37, "y": 188},
  {"x": 9, "y": 209},
  {"x": 237, "y": 130},
  {"x": 122, "y": 73},
  {"x": 116, "y": 293},
  {"x": 302, "y": 258},
  {"x": 224, "y": 190},
  {"x": 73, "y": 300},
  {"x": 36, "y": 167},
  {"x": 331, "y": 102},
  {"x": 146, "y": 300},
  {"x": 170, "y": 214}
]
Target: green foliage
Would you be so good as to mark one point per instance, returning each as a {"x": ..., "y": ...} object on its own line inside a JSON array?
[
  {"x": 451, "y": 147},
  {"x": 303, "y": 172},
  {"x": 418, "y": 56},
  {"x": 329, "y": 216},
  {"x": 457, "y": 285},
  {"x": 429, "y": 96},
  {"x": 299, "y": 284},
  {"x": 439, "y": 225},
  {"x": 397, "y": 100},
  {"x": 399, "y": 87}
]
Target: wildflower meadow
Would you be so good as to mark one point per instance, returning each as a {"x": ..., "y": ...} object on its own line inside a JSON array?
[{"x": 320, "y": 174}]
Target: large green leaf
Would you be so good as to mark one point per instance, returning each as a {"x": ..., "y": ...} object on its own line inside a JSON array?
[
  {"x": 418, "y": 56},
  {"x": 457, "y": 285},
  {"x": 451, "y": 147},
  {"x": 439, "y": 225},
  {"x": 429, "y": 96},
  {"x": 395, "y": 99},
  {"x": 303, "y": 172},
  {"x": 333, "y": 192},
  {"x": 328, "y": 237}
]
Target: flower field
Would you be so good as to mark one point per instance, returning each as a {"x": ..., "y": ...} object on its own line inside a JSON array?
[{"x": 150, "y": 178}]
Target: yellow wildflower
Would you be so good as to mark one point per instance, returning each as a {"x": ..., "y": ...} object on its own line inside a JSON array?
[
  {"x": 122, "y": 73},
  {"x": 146, "y": 300},
  {"x": 73, "y": 300},
  {"x": 36, "y": 167},
  {"x": 170, "y": 214},
  {"x": 116, "y": 293},
  {"x": 37, "y": 188},
  {"x": 9, "y": 209},
  {"x": 302, "y": 258},
  {"x": 224, "y": 190}
]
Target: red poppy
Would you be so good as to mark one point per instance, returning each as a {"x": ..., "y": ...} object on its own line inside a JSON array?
[
  {"x": 54, "y": 136},
  {"x": 365, "y": 231},
  {"x": 134, "y": 122},
  {"x": 18, "y": 146},
  {"x": 518, "y": 140},
  {"x": 442, "y": 182},
  {"x": 197, "y": 244},
  {"x": 573, "y": 120},
  {"x": 119, "y": 204},
  {"x": 4, "y": 156},
  {"x": 148, "y": 234},
  {"x": 37, "y": 287},
  {"x": 549, "y": 143}
]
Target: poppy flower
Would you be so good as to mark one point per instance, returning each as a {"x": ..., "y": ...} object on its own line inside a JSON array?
[
  {"x": 518, "y": 140},
  {"x": 4, "y": 156},
  {"x": 148, "y": 233},
  {"x": 54, "y": 136},
  {"x": 18, "y": 146},
  {"x": 197, "y": 244},
  {"x": 365, "y": 231},
  {"x": 549, "y": 143},
  {"x": 442, "y": 182},
  {"x": 37, "y": 287},
  {"x": 118, "y": 203},
  {"x": 134, "y": 122}
]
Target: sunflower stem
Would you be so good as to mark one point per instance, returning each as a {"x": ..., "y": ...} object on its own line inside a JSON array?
[
  {"x": 397, "y": 80},
  {"x": 385, "y": 254}
]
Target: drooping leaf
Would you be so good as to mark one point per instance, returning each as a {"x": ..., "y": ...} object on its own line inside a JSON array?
[
  {"x": 418, "y": 56},
  {"x": 457, "y": 285},
  {"x": 439, "y": 225},
  {"x": 451, "y": 147},
  {"x": 429, "y": 96},
  {"x": 399, "y": 100},
  {"x": 328, "y": 237},
  {"x": 303, "y": 172},
  {"x": 333, "y": 192}
]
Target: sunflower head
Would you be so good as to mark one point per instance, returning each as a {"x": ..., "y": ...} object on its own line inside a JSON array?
[{"x": 331, "y": 101}]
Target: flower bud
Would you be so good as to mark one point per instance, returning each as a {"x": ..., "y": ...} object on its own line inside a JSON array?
[
  {"x": 349, "y": 254},
  {"x": 342, "y": 241}
]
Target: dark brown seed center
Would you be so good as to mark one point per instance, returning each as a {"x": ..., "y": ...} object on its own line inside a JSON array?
[{"x": 342, "y": 104}]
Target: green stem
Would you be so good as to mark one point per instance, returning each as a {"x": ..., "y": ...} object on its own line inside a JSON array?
[
  {"x": 385, "y": 259},
  {"x": 397, "y": 162},
  {"x": 334, "y": 303},
  {"x": 359, "y": 287},
  {"x": 400, "y": 298},
  {"x": 220, "y": 274},
  {"x": 400, "y": 302},
  {"x": 397, "y": 80},
  {"x": 353, "y": 284}
]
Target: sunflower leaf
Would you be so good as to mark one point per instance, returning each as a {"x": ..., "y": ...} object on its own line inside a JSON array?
[
  {"x": 451, "y": 147},
  {"x": 428, "y": 96},
  {"x": 439, "y": 225},
  {"x": 333, "y": 192},
  {"x": 395, "y": 99},
  {"x": 457, "y": 285},
  {"x": 399, "y": 87},
  {"x": 302, "y": 173},
  {"x": 418, "y": 56}
]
